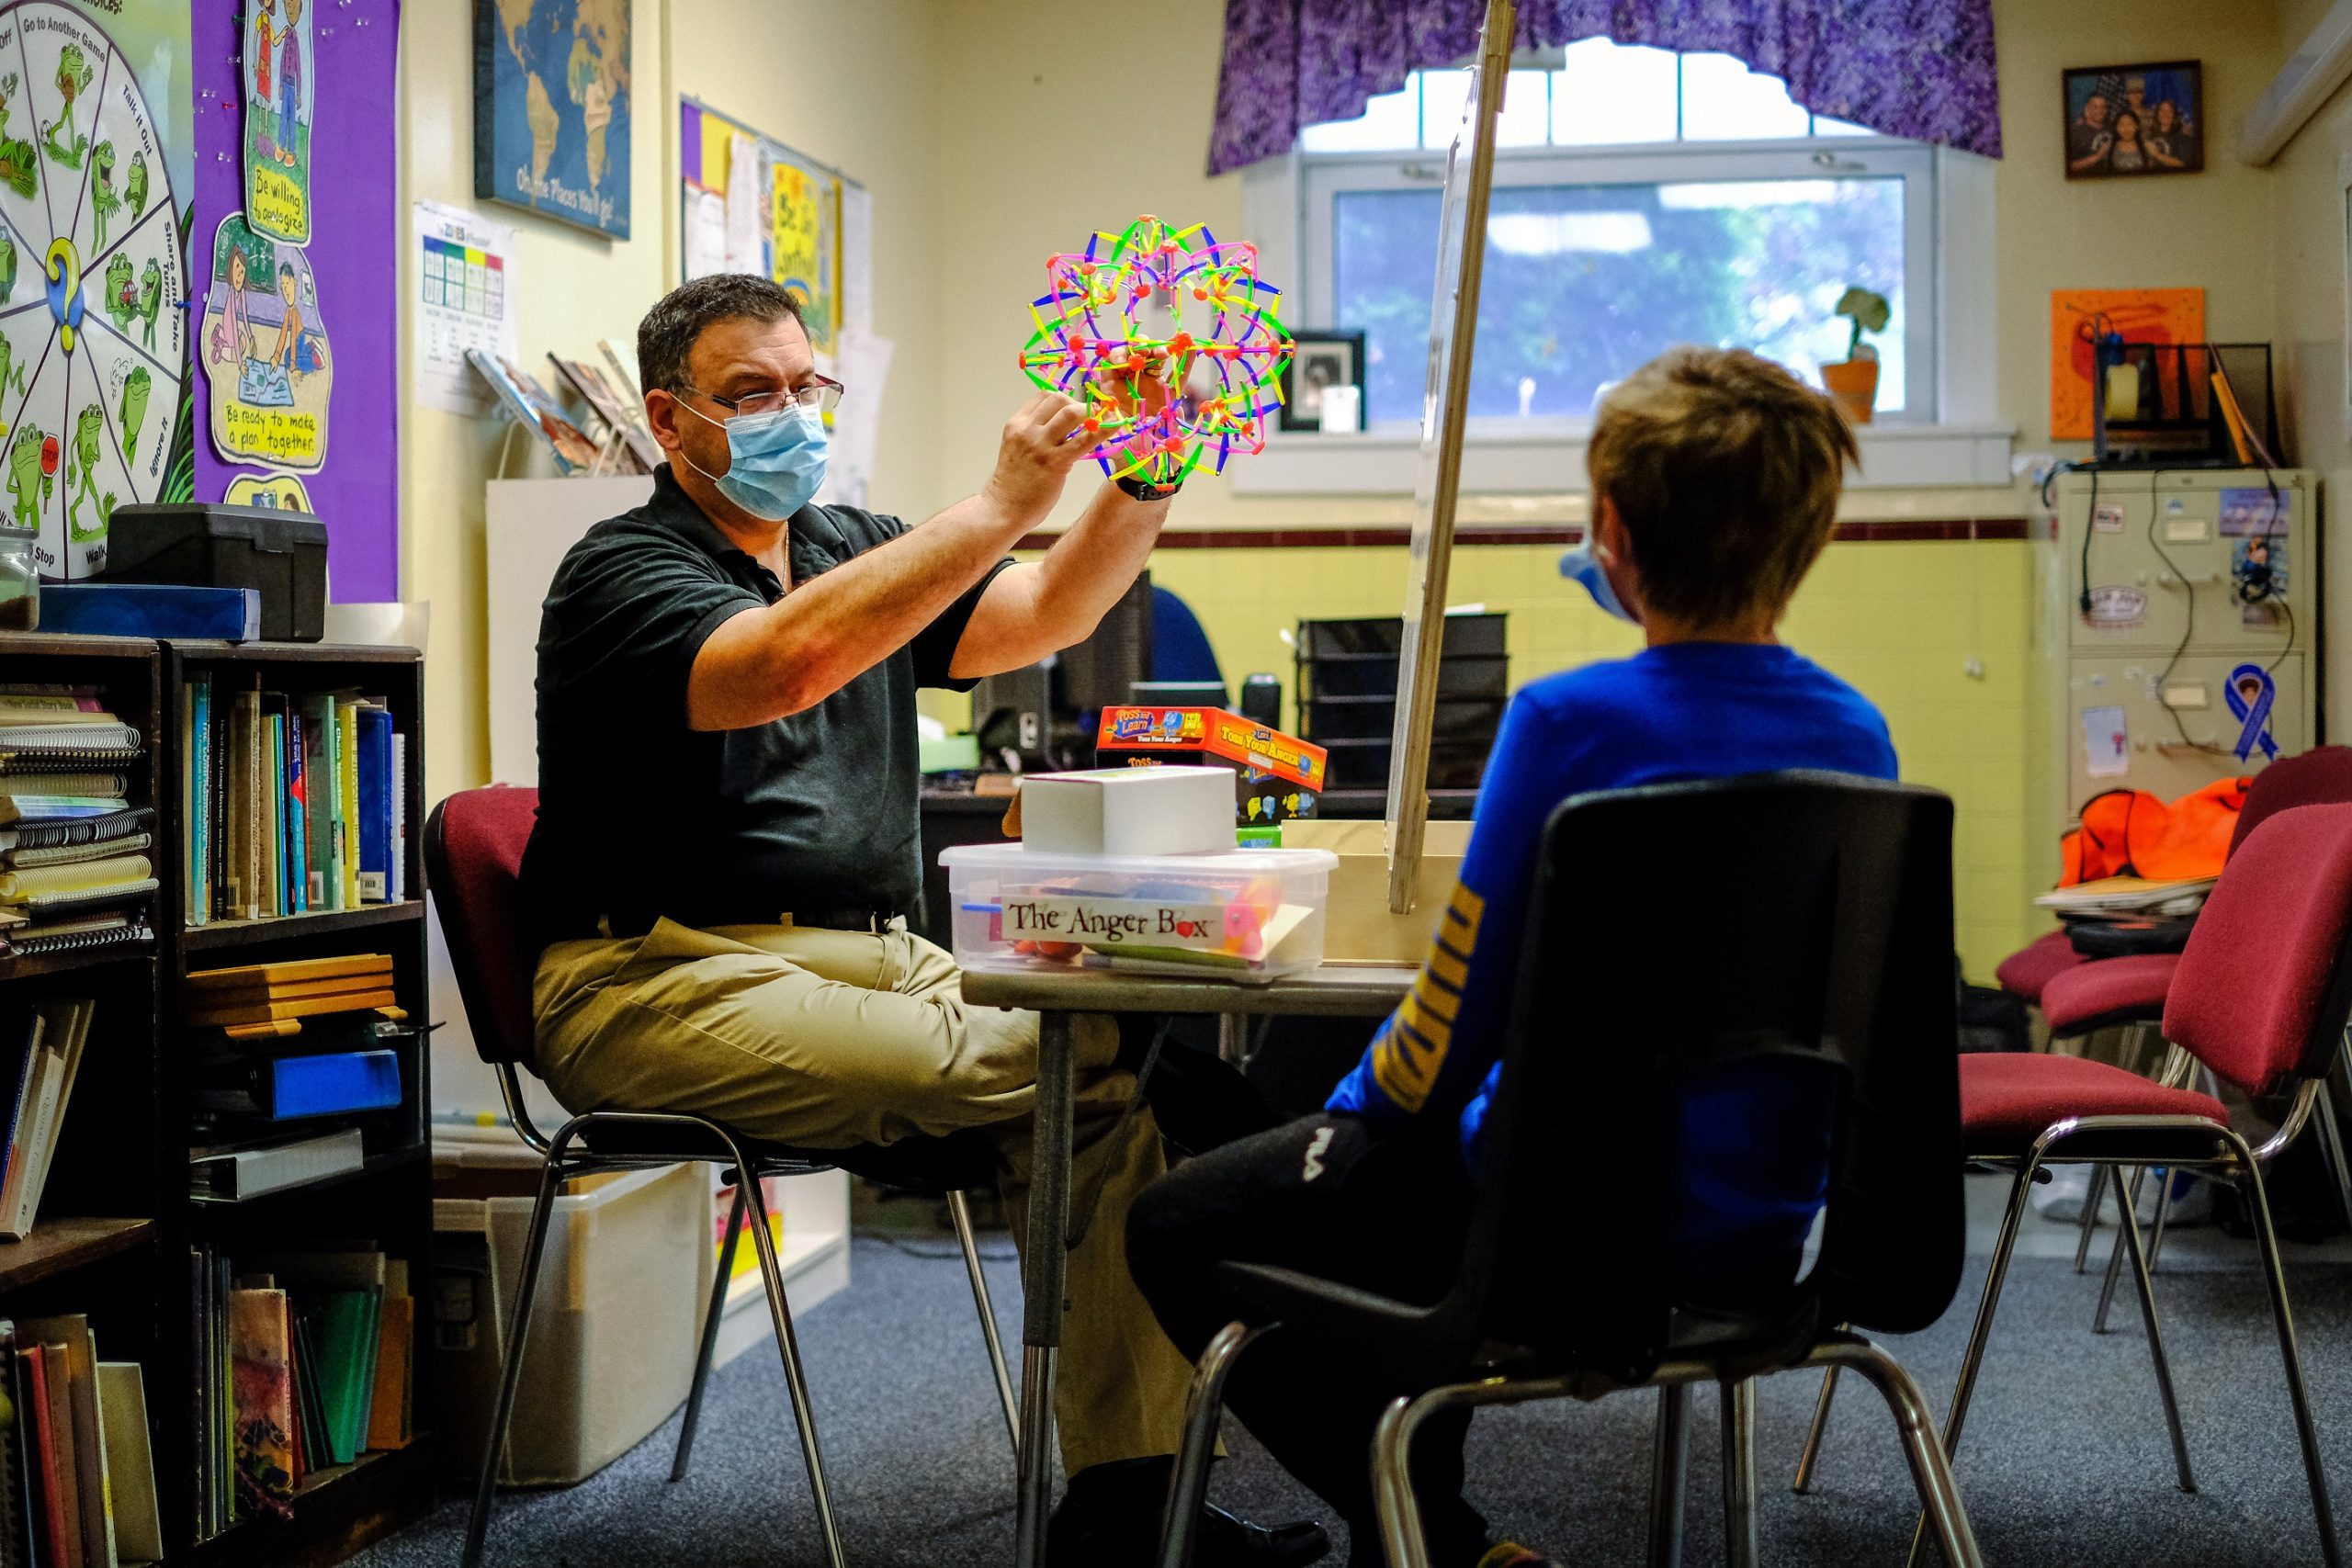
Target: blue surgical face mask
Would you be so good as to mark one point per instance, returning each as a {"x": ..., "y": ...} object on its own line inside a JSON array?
[
  {"x": 1582, "y": 565},
  {"x": 775, "y": 460}
]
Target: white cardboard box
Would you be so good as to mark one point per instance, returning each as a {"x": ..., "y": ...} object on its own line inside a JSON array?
[{"x": 1128, "y": 811}]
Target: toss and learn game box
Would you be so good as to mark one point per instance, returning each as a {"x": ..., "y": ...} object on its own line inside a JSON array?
[{"x": 1276, "y": 777}]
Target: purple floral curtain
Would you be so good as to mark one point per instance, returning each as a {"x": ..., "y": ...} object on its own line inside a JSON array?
[{"x": 1921, "y": 69}]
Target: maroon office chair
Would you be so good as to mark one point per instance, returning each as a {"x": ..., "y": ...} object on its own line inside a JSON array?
[
  {"x": 473, "y": 857},
  {"x": 2261, "y": 998}
]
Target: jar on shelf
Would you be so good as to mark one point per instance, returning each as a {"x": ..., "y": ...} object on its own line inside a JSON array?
[{"x": 19, "y": 581}]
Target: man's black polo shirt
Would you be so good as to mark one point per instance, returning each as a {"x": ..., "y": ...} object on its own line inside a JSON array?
[{"x": 641, "y": 816}]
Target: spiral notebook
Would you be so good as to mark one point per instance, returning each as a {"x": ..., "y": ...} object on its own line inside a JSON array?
[{"x": 47, "y": 742}]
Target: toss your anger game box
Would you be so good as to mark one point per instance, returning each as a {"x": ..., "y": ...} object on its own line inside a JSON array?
[{"x": 1276, "y": 777}]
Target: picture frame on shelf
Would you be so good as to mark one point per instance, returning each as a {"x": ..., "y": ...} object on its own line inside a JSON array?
[{"x": 1321, "y": 359}]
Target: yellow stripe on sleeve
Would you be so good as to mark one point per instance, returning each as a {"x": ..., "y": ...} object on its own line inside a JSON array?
[{"x": 1412, "y": 1051}]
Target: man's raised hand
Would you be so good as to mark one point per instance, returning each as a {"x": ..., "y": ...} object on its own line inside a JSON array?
[{"x": 1042, "y": 443}]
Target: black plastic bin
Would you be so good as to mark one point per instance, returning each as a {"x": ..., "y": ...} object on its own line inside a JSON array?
[{"x": 283, "y": 554}]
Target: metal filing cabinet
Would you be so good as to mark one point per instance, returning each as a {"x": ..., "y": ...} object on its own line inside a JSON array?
[{"x": 2138, "y": 689}]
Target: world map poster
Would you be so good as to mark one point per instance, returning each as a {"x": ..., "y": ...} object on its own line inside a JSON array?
[{"x": 551, "y": 108}]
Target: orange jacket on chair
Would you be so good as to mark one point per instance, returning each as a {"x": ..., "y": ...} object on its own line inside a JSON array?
[{"x": 2129, "y": 833}]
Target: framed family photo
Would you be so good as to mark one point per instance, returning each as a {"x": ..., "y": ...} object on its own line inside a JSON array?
[
  {"x": 1320, "y": 359},
  {"x": 2127, "y": 121}
]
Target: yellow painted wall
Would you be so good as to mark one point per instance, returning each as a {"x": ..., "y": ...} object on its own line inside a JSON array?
[{"x": 1899, "y": 620}]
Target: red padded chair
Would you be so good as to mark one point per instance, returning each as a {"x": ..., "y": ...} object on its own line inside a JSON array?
[
  {"x": 2085, "y": 996},
  {"x": 473, "y": 857},
  {"x": 2317, "y": 777},
  {"x": 2261, "y": 998}
]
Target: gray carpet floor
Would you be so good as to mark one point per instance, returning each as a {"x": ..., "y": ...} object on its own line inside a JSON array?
[{"x": 2065, "y": 1461}]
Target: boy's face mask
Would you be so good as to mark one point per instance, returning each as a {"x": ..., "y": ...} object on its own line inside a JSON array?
[
  {"x": 1582, "y": 565},
  {"x": 775, "y": 460}
]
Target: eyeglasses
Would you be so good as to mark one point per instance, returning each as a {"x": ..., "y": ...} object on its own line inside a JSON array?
[{"x": 823, "y": 395}]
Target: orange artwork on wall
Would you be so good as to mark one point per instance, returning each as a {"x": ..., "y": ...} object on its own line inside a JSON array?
[{"x": 2141, "y": 315}]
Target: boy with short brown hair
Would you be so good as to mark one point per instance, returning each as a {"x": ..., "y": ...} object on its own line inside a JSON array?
[{"x": 1716, "y": 477}]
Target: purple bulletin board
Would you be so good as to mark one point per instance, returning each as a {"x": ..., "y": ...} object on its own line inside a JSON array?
[{"x": 354, "y": 254}]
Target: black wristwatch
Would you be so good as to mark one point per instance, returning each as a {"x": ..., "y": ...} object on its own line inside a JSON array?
[{"x": 1144, "y": 489}]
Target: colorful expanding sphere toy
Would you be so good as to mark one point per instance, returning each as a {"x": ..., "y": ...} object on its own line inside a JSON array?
[{"x": 1161, "y": 399}]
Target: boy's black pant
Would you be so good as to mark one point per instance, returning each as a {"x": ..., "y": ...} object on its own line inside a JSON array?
[{"x": 1328, "y": 1195}]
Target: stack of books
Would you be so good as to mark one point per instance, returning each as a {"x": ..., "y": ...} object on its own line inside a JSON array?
[
  {"x": 75, "y": 866},
  {"x": 77, "y": 1476},
  {"x": 41, "y": 1055},
  {"x": 296, "y": 803},
  {"x": 286, "y": 1054},
  {"x": 305, "y": 1363}
]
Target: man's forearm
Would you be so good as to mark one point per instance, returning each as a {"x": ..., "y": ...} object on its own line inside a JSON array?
[
  {"x": 824, "y": 634},
  {"x": 1058, "y": 600},
  {"x": 1084, "y": 572}
]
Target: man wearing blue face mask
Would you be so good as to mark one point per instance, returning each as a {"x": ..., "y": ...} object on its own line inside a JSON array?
[{"x": 727, "y": 840}]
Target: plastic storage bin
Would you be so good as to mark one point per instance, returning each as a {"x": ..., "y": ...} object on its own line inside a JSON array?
[
  {"x": 1245, "y": 915},
  {"x": 615, "y": 1328},
  {"x": 281, "y": 554}
]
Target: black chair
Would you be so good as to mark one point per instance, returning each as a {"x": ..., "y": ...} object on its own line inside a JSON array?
[
  {"x": 473, "y": 852},
  {"x": 1800, "y": 916}
]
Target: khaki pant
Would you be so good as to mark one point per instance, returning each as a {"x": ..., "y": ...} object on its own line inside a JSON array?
[{"x": 827, "y": 1038}]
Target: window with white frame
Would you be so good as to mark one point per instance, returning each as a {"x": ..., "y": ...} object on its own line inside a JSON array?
[{"x": 1642, "y": 199}]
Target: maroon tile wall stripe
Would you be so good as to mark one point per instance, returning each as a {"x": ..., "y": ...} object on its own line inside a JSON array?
[{"x": 1853, "y": 532}]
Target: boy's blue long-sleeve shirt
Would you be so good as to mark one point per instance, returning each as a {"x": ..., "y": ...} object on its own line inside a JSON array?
[{"x": 1684, "y": 711}]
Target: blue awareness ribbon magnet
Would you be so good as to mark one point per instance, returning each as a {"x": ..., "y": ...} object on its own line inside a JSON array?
[{"x": 2254, "y": 714}]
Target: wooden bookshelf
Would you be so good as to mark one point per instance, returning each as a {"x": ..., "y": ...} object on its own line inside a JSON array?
[
  {"x": 388, "y": 1199},
  {"x": 216, "y": 934},
  {"x": 58, "y": 1246},
  {"x": 117, "y": 1222}
]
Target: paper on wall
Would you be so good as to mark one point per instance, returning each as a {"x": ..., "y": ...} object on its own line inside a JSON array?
[
  {"x": 857, "y": 258},
  {"x": 862, "y": 363},
  {"x": 747, "y": 207},
  {"x": 705, "y": 232},
  {"x": 465, "y": 300}
]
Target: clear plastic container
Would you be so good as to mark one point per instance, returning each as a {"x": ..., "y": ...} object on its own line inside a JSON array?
[
  {"x": 1246, "y": 915},
  {"x": 19, "y": 581}
]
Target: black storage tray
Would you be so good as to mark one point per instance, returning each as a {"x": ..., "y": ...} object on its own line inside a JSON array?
[
  {"x": 1375, "y": 675},
  {"x": 1464, "y": 635},
  {"x": 1322, "y": 718},
  {"x": 1454, "y": 763},
  {"x": 283, "y": 554}
]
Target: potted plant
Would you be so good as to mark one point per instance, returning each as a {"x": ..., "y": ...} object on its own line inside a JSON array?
[{"x": 1854, "y": 382}]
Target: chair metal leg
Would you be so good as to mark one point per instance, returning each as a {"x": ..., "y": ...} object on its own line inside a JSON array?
[
  {"x": 2128, "y": 1218},
  {"x": 1392, "y": 1479},
  {"x": 796, "y": 1382},
  {"x": 1188, "y": 1483},
  {"x": 2298, "y": 1392},
  {"x": 2331, "y": 1139},
  {"x": 2089, "y": 1222},
  {"x": 518, "y": 1330},
  {"x": 1974, "y": 1361},
  {"x": 1739, "y": 1473},
  {"x": 959, "y": 1214},
  {"x": 2129, "y": 1242},
  {"x": 1930, "y": 1464},
  {"x": 2170, "y": 1179},
  {"x": 1670, "y": 1464},
  {"x": 711, "y": 1315},
  {"x": 1812, "y": 1455}
]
